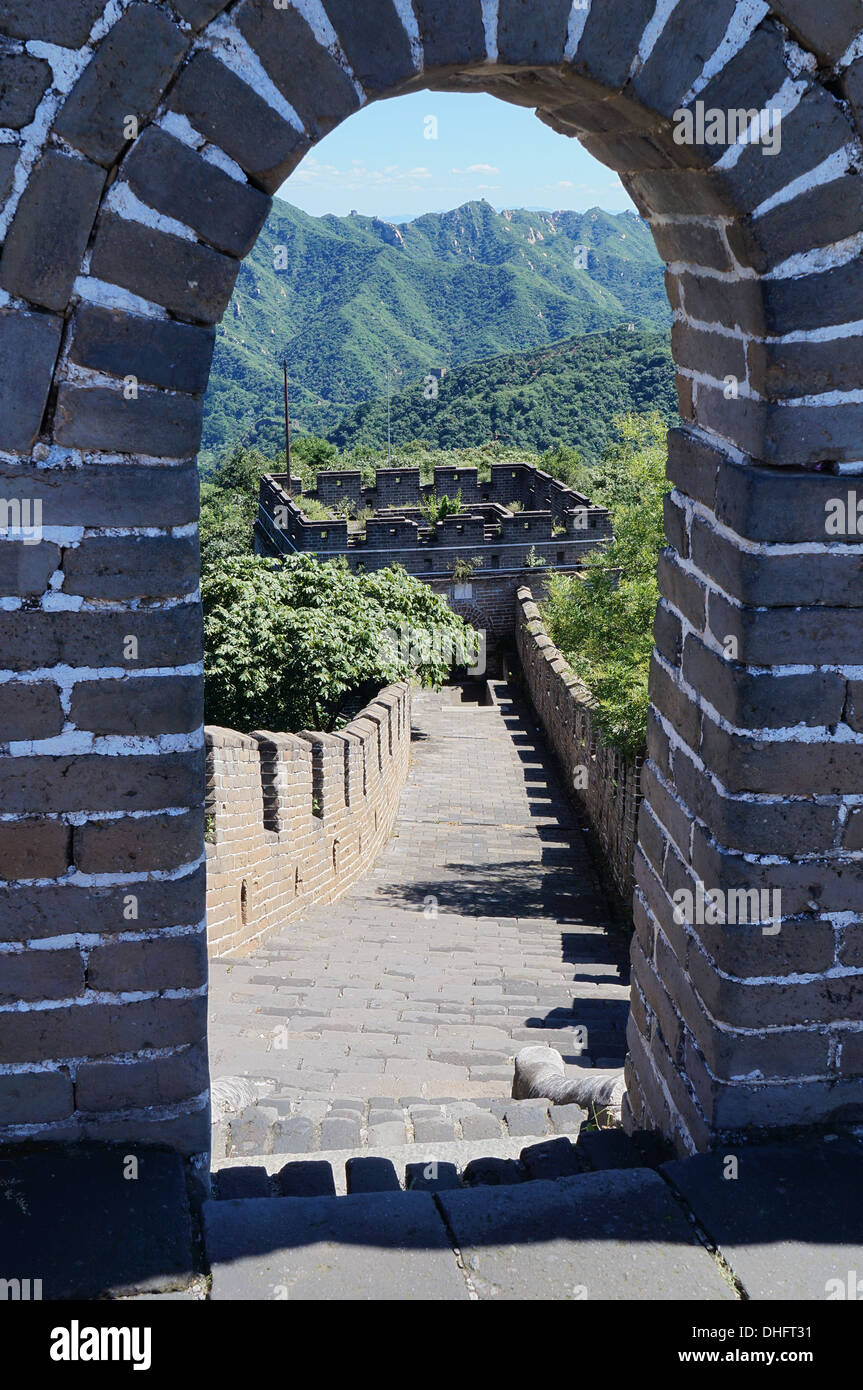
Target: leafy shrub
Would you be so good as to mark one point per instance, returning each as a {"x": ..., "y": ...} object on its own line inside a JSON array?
[
  {"x": 463, "y": 571},
  {"x": 602, "y": 620},
  {"x": 434, "y": 509},
  {"x": 288, "y": 644},
  {"x": 313, "y": 510}
]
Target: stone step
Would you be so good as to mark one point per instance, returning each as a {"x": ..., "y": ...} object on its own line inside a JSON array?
[
  {"x": 791, "y": 1228},
  {"x": 285, "y": 1124},
  {"x": 433, "y": 1167},
  {"x": 614, "y": 1235},
  {"x": 268, "y": 1175}
]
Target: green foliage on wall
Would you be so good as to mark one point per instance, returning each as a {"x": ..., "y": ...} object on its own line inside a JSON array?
[{"x": 435, "y": 508}]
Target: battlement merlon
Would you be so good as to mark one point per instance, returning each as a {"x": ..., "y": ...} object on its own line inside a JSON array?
[{"x": 501, "y": 521}]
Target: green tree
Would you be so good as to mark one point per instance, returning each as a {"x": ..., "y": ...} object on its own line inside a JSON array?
[
  {"x": 313, "y": 453},
  {"x": 566, "y": 463},
  {"x": 289, "y": 644},
  {"x": 239, "y": 469},
  {"x": 229, "y": 502},
  {"x": 602, "y": 619}
]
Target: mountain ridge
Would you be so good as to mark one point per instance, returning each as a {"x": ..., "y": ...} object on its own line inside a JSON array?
[{"x": 336, "y": 294}]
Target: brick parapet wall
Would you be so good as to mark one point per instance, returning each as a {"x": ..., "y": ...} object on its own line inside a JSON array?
[
  {"x": 294, "y": 819},
  {"x": 435, "y": 560},
  {"x": 401, "y": 487},
  {"x": 611, "y": 797}
]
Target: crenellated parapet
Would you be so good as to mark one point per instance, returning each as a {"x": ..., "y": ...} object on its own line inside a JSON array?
[{"x": 295, "y": 819}]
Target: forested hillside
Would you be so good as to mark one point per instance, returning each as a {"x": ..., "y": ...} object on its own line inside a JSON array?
[
  {"x": 570, "y": 392},
  {"x": 336, "y": 294}
]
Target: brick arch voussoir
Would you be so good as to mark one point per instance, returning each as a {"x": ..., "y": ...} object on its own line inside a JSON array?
[{"x": 620, "y": 108}]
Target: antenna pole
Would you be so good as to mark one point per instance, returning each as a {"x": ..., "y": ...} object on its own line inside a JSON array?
[{"x": 287, "y": 426}]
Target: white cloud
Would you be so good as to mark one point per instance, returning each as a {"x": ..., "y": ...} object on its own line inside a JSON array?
[
  {"x": 312, "y": 171},
  {"x": 477, "y": 169},
  {"x": 587, "y": 190}
]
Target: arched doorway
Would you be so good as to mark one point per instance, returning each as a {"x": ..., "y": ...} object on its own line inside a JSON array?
[{"x": 135, "y": 175}]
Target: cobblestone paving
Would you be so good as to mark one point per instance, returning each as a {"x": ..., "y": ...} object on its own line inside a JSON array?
[{"x": 394, "y": 1015}]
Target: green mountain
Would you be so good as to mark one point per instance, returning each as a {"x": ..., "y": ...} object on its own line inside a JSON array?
[
  {"x": 569, "y": 391},
  {"x": 336, "y": 294}
]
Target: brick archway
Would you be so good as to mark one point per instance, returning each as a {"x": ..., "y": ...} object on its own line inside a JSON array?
[{"x": 141, "y": 144}]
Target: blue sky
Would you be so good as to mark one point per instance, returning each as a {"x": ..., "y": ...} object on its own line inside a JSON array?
[{"x": 382, "y": 162}]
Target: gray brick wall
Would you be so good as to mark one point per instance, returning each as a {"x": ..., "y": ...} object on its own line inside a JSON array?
[
  {"x": 295, "y": 819},
  {"x": 399, "y": 536}
]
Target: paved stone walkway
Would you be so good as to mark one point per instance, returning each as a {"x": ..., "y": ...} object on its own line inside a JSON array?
[
  {"x": 481, "y": 929},
  {"x": 400, "y": 1026}
]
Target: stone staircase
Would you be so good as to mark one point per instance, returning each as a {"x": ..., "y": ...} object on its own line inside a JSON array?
[
  {"x": 593, "y": 1216},
  {"x": 370, "y": 1046},
  {"x": 789, "y": 1226},
  {"x": 430, "y": 1146},
  {"x": 544, "y": 1205},
  {"x": 392, "y": 1016},
  {"x": 273, "y": 1128},
  {"x": 618, "y": 1234},
  {"x": 372, "y": 1152}
]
